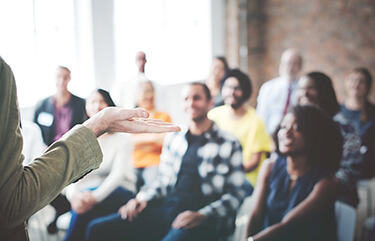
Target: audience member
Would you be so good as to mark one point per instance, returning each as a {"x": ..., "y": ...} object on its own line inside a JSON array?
[
  {"x": 124, "y": 92},
  {"x": 276, "y": 95},
  {"x": 147, "y": 147},
  {"x": 116, "y": 170},
  {"x": 361, "y": 112},
  {"x": 243, "y": 122},
  {"x": 55, "y": 116},
  {"x": 296, "y": 189},
  {"x": 315, "y": 88},
  {"x": 200, "y": 185},
  {"x": 219, "y": 68},
  {"x": 26, "y": 189}
]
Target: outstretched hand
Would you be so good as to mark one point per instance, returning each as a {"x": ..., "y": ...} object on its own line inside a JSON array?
[{"x": 115, "y": 119}]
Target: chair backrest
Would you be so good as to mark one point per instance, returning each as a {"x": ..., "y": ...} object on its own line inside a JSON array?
[{"x": 345, "y": 221}]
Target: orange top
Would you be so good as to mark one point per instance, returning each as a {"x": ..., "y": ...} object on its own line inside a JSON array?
[{"x": 147, "y": 152}]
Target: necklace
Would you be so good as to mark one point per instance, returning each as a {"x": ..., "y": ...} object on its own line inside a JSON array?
[{"x": 293, "y": 177}]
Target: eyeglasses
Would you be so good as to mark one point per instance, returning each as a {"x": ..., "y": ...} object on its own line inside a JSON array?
[{"x": 235, "y": 88}]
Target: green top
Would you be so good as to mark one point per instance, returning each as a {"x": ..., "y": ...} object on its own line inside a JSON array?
[{"x": 25, "y": 190}]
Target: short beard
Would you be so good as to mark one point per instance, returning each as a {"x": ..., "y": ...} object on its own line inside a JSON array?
[
  {"x": 200, "y": 118},
  {"x": 238, "y": 104}
]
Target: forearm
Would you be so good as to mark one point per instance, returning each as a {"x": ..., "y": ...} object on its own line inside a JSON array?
[
  {"x": 36, "y": 185},
  {"x": 255, "y": 223},
  {"x": 254, "y": 161},
  {"x": 272, "y": 233}
]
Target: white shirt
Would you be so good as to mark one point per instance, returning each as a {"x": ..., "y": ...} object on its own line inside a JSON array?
[
  {"x": 272, "y": 99},
  {"x": 115, "y": 170},
  {"x": 33, "y": 145}
]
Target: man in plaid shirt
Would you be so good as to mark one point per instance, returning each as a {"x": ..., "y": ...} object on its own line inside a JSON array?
[{"x": 199, "y": 188}]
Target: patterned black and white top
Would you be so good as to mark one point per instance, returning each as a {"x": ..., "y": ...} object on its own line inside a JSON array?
[{"x": 221, "y": 171}]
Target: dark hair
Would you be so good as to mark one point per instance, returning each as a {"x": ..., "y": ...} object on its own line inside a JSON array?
[
  {"x": 368, "y": 80},
  {"x": 224, "y": 61},
  {"x": 244, "y": 81},
  {"x": 205, "y": 89},
  {"x": 366, "y": 74},
  {"x": 326, "y": 93},
  {"x": 322, "y": 136},
  {"x": 106, "y": 96}
]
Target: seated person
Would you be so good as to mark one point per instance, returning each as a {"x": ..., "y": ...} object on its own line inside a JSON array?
[
  {"x": 26, "y": 189},
  {"x": 219, "y": 68},
  {"x": 243, "y": 122},
  {"x": 56, "y": 115},
  {"x": 315, "y": 88},
  {"x": 361, "y": 112},
  {"x": 199, "y": 188},
  {"x": 276, "y": 95},
  {"x": 296, "y": 189},
  {"x": 116, "y": 170},
  {"x": 147, "y": 147}
]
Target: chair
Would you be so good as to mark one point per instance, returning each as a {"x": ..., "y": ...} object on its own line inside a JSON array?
[
  {"x": 345, "y": 221},
  {"x": 242, "y": 218}
]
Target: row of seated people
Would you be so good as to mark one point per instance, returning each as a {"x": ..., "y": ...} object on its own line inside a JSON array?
[
  {"x": 236, "y": 89},
  {"x": 199, "y": 197},
  {"x": 56, "y": 114}
]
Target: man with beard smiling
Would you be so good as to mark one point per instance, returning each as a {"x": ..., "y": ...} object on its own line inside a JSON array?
[
  {"x": 200, "y": 186},
  {"x": 242, "y": 121}
]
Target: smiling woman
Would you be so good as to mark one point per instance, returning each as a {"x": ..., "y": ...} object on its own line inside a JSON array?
[{"x": 296, "y": 188}]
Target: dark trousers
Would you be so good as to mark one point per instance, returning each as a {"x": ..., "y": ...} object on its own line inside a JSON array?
[
  {"x": 154, "y": 223},
  {"x": 61, "y": 205},
  {"x": 111, "y": 204}
]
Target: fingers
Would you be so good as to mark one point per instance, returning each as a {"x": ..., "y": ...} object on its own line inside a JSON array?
[
  {"x": 135, "y": 113},
  {"x": 143, "y": 125},
  {"x": 131, "y": 210},
  {"x": 181, "y": 220},
  {"x": 188, "y": 219},
  {"x": 114, "y": 119},
  {"x": 123, "y": 212}
]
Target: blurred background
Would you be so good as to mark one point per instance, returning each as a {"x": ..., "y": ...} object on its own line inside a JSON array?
[{"x": 98, "y": 39}]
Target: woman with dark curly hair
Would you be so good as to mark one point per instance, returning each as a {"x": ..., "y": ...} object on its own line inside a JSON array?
[{"x": 296, "y": 188}]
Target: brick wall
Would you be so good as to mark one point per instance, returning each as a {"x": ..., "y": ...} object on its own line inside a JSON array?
[{"x": 333, "y": 36}]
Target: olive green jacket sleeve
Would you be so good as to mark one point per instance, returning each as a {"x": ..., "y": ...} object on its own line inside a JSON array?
[{"x": 25, "y": 190}]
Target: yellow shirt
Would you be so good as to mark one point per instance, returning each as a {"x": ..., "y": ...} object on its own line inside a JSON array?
[
  {"x": 148, "y": 154},
  {"x": 250, "y": 130}
]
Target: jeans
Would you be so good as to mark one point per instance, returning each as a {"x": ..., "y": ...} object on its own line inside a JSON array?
[
  {"x": 111, "y": 204},
  {"x": 153, "y": 223}
]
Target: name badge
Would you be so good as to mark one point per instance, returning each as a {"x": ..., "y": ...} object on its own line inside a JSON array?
[{"x": 45, "y": 119}]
